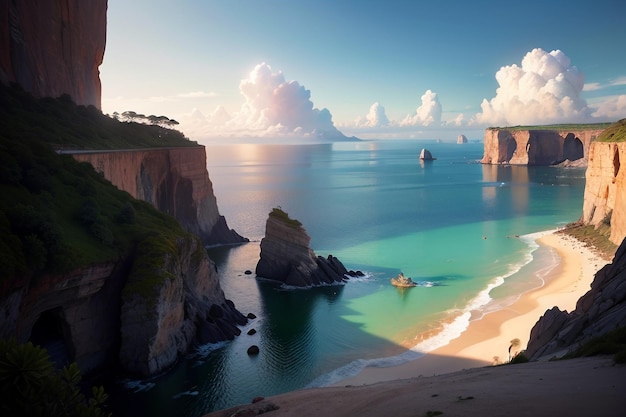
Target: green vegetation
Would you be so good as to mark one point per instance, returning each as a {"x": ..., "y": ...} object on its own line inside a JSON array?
[
  {"x": 280, "y": 214},
  {"x": 64, "y": 125},
  {"x": 31, "y": 386},
  {"x": 611, "y": 343},
  {"x": 614, "y": 133},
  {"x": 57, "y": 214},
  {"x": 596, "y": 238},
  {"x": 571, "y": 126}
]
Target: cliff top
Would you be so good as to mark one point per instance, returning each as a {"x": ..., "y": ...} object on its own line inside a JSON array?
[
  {"x": 577, "y": 127},
  {"x": 614, "y": 133},
  {"x": 284, "y": 217},
  {"x": 65, "y": 125}
]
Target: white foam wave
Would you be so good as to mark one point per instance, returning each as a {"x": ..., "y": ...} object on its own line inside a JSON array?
[{"x": 475, "y": 309}]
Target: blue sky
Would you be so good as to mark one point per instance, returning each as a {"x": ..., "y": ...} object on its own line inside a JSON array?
[{"x": 374, "y": 69}]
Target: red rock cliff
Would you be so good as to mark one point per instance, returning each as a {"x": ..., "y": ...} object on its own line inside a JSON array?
[
  {"x": 54, "y": 47},
  {"x": 536, "y": 147},
  {"x": 174, "y": 180}
]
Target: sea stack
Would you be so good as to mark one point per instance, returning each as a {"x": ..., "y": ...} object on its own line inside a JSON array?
[
  {"x": 425, "y": 155},
  {"x": 287, "y": 257},
  {"x": 461, "y": 139}
]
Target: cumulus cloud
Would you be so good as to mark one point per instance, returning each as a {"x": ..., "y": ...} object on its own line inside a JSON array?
[
  {"x": 544, "y": 89},
  {"x": 273, "y": 107},
  {"x": 376, "y": 117},
  {"x": 611, "y": 109},
  {"x": 427, "y": 114}
]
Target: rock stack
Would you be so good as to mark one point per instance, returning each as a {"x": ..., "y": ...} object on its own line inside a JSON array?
[{"x": 287, "y": 257}]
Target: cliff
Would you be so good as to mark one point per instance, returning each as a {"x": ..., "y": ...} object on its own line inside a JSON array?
[
  {"x": 605, "y": 189},
  {"x": 287, "y": 257},
  {"x": 174, "y": 180},
  {"x": 537, "y": 146},
  {"x": 51, "y": 48},
  {"x": 600, "y": 310}
]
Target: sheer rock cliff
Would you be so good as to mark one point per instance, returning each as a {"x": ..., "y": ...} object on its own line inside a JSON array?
[
  {"x": 536, "y": 147},
  {"x": 51, "y": 48},
  {"x": 286, "y": 256},
  {"x": 174, "y": 180},
  {"x": 605, "y": 188}
]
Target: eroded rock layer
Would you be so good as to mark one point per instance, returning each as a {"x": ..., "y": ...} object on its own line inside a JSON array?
[
  {"x": 536, "y": 147},
  {"x": 287, "y": 257},
  {"x": 174, "y": 180}
]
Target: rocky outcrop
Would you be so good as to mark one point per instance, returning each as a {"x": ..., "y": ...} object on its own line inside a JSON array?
[
  {"x": 461, "y": 139},
  {"x": 287, "y": 257},
  {"x": 426, "y": 155},
  {"x": 599, "y": 311},
  {"x": 537, "y": 147},
  {"x": 54, "y": 47},
  {"x": 174, "y": 180},
  {"x": 180, "y": 303},
  {"x": 605, "y": 189}
]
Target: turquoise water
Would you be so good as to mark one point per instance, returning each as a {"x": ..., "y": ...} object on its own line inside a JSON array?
[{"x": 459, "y": 228}]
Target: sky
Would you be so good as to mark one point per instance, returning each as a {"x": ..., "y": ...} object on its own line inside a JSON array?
[{"x": 233, "y": 70}]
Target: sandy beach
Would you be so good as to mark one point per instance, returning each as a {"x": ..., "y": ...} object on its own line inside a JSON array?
[
  {"x": 456, "y": 379},
  {"x": 486, "y": 341}
]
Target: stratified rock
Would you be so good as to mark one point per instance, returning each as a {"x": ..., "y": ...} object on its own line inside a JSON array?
[
  {"x": 461, "y": 139},
  {"x": 54, "y": 47},
  {"x": 536, "y": 146},
  {"x": 173, "y": 180},
  {"x": 287, "y": 257},
  {"x": 600, "y": 310}
]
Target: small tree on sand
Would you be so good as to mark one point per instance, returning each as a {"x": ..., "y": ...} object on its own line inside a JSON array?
[{"x": 515, "y": 343}]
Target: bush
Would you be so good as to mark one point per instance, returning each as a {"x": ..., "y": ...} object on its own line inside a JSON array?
[{"x": 30, "y": 385}]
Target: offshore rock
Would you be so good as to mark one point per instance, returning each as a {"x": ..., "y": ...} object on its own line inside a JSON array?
[
  {"x": 461, "y": 139},
  {"x": 536, "y": 146},
  {"x": 174, "y": 180},
  {"x": 600, "y": 310},
  {"x": 426, "y": 155},
  {"x": 54, "y": 47},
  {"x": 287, "y": 257}
]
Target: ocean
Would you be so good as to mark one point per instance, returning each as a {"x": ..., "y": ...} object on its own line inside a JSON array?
[{"x": 464, "y": 231}]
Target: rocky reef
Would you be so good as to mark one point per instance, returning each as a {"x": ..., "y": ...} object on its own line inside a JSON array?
[
  {"x": 287, "y": 257},
  {"x": 174, "y": 180},
  {"x": 52, "y": 48},
  {"x": 537, "y": 146}
]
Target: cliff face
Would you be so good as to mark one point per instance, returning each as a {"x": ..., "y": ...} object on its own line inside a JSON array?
[
  {"x": 287, "y": 257},
  {"x": 55, "y": 47},
  {"x": 536, "y": 147},
  {"x": 599, "y": 311},
  {"x": 605, "y": 188},
  {"x": 174, "y": 180},
  {"x": 160, "y": 323}
]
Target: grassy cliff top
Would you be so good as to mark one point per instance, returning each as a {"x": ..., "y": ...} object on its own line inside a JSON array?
[
  {"x": 64, "y": 125},
  {"x": 614, "y": 133},
  {"x": 588, "y": 126}
]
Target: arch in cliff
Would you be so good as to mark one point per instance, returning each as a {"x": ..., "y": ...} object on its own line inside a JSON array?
[
  {"x": 573, "y": 148},
  {"x": 511, "y": 147},
  {"x": 51, "y": 331}
]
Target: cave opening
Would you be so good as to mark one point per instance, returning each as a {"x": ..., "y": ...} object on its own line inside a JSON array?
[
  {"x": 616, "y": 163},
  {"x": 511, "y": 147},
  {"x": 573, "y": 148},
  {"x": 51, "y": 332}
]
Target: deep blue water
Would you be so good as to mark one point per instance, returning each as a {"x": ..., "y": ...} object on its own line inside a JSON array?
[{"x": 457, "y": 227}]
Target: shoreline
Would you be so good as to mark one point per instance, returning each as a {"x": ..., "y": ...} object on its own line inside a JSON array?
[{"x": 486, "y": 341}]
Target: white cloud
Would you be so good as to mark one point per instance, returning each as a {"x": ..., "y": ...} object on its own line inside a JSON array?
[
  {"x": 376, "y": 117},
  {"x": 592, "y": 86},
  {"x": 544, "y": 89},
  {"x": 611, "y": 109},
  {"x": 427, "y": 114},
  {"x": 273, "y": 107}
]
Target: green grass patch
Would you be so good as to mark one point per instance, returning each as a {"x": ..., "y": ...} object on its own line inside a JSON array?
[
  {"x": 614, "y": 133},
  {"x": 559, "y": 127},
  {"x": 278, "y": 213},
  {"x": 611, "y": 343},
  {"x": 596, "y": 238}
]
